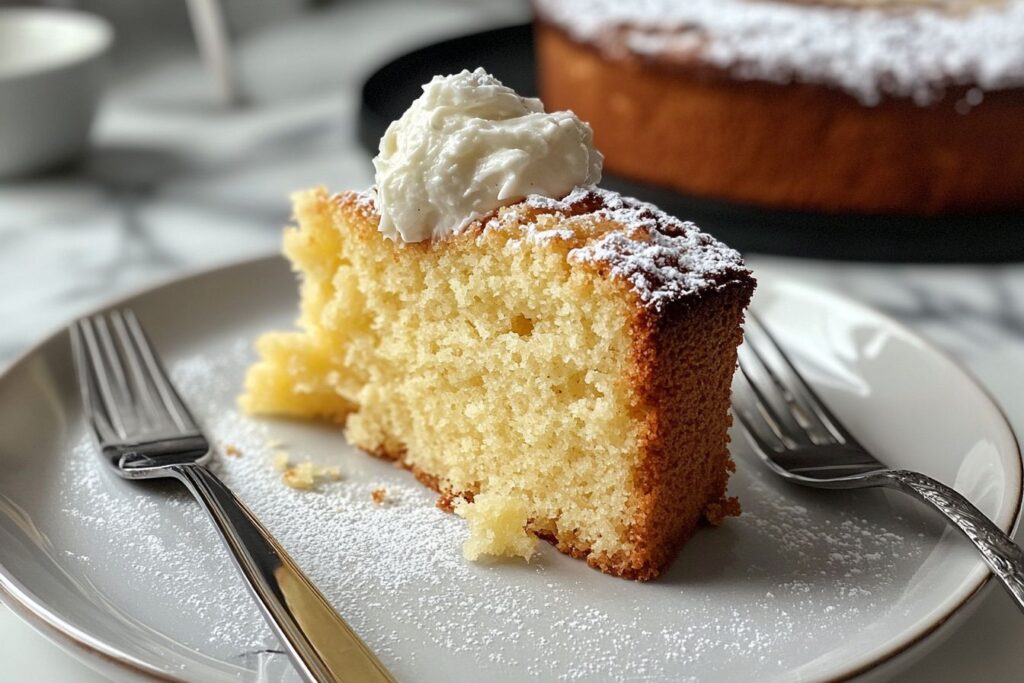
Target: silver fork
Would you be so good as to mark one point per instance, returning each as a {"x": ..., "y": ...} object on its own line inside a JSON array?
[
  {"x": 799, "y": 438},
  {"x": 145, "y": 431}
]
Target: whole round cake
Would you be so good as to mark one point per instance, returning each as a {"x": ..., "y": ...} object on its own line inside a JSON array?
[{"x": 858, "y": 106}]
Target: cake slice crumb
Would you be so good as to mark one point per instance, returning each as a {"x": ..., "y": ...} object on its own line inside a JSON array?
[
  {"x": 305, "y": 475},
  {"x": 301, "y": 476},
  {"x": 715, "y": 513},
  {"x": 280, "y": 461},
  {"x": 379, "y": 496},
  {"x": 232, "y": 451},
  {"x": 497, "y": 527}
]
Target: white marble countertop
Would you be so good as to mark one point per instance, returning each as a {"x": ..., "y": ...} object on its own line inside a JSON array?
[{"x": 175, "y": 184}]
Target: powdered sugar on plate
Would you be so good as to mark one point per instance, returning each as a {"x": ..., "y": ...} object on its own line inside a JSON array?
[
  {"x": 869, "y": 52},
  {"x": 759, "y": 592}
]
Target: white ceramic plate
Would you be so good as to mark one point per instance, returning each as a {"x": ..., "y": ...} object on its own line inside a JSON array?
[{"x": 805, "y": 585}]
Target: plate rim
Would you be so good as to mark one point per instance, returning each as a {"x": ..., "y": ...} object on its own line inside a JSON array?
[
  {"x": 35, "y": 612},
  {"x": 927, "y": 633}
]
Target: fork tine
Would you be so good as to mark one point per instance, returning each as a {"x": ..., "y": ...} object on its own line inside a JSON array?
[
  {"x": 153, "y": 413},
  {"x": 97, "y": 367},
  {"x": 757, "y": 425},
  {"x": 154, "y": 371},
  {"x": 113, "y": 366},
  {"x": 96, "y": 408},
  {"x": 791, "y": 381},
  {"x": 769, "y": 397}
]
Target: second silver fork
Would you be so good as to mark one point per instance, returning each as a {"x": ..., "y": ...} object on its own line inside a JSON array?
[
  {"x": 801, "y": 440},
  {"x": 145, "y": 431}
]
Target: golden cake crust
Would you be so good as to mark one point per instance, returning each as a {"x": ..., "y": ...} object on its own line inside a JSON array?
[{"x": 682, "y": 123}]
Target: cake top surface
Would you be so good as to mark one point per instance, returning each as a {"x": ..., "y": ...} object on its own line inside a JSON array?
[
  {"x": 869, "y": 48},
  {"x": 662, "y": 258},
  {"x": 470, "y": 144}
]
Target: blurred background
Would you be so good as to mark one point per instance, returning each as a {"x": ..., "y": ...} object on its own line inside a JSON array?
[
  {"x": 208, "y": 114},
  {"x": 180, "y": 175}
]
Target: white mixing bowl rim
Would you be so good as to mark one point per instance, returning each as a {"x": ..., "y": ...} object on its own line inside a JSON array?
[{"x": 94, "y": 37}]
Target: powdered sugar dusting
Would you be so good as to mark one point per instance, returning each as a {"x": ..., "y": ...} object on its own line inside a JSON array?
[
  {"x": 565, "y": 204},
  {"x": 366, "y": 199},
  {"x": 663, "y": 258},
  {"x": 869, "y": 52},
  {"x": 661, "y": 268},
  {"x": 762, "y": 595}
]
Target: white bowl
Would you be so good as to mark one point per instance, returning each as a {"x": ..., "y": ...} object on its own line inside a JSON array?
[{"x": 50, "y": 76}]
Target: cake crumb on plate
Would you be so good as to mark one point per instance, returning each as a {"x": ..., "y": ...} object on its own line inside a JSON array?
[
  {"x": 305, "y": 475},
  {"x": 497, "y": 527},
  {"x": 280, "y": 461},
  {"x": 301, "y": 476}
]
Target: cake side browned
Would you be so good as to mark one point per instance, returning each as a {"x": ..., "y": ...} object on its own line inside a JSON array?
[
  {"x": 695, "y": 128},
  {"x": 688, "y": 358}
]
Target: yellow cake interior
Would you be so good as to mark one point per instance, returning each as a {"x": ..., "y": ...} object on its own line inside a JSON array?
[{"x": 489, "y": 364}]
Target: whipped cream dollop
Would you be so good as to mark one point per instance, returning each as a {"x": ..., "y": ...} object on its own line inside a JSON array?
[{"x": 469, "y": 145}]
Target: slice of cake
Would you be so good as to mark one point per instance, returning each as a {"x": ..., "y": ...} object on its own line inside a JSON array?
[{"x": 556, "y": 367}]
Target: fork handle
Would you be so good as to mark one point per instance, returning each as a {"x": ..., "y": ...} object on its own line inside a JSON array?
[
  {"x": 1005, "y": 557},
  {"x": 321, "y": 645}
]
